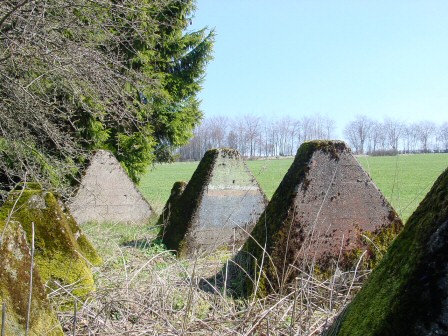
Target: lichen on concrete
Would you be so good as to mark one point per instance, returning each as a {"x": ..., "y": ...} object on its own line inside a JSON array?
[
  {"x": 325, "y": 213},
  {"x": 15, "y": 274},
  {"x": 63, "y": 254},
  {"x": 218, "y": 207},
  {"x": 407, "y": 294}
]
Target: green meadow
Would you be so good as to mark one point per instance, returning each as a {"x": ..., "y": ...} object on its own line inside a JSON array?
[{"x": 403, "y": 179}]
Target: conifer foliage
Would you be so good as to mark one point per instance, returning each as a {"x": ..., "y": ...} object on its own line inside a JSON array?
[{"x": 80, "y": 75}]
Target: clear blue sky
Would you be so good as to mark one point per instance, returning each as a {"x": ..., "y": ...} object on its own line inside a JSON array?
[{"x": 336, "y": 58}]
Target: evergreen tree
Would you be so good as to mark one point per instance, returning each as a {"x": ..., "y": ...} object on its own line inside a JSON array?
[
  {"x": 177, "y": 61},
  {"x": 78, "y": 75}
]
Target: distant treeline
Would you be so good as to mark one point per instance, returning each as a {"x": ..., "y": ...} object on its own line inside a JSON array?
[{"x": 259, "y": 137}]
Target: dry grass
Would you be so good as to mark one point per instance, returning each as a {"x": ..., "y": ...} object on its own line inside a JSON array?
[{"x": 143, "y": 289}]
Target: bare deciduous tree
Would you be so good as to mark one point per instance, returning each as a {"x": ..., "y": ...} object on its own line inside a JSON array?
[
  {"x": 393, "y": 131},
  {"x": 443, "y": 136},
  {"x": 426, "y": 130},
  {"x": 254, "y": 136},
  {"x": 358, "y": 131},
  {"x": 252, "y": 129}
]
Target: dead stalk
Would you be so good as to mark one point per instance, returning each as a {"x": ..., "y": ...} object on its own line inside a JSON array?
[
  {"x": 28, "y": 314},
  {"x": 190, "y": 297},
  {"x": 74, "y": 316},
  {"x": 3, "y": 318},
  {"x": 8, "y": 219},
  {"x": 225, "y": 280},
  {"x": 293, "y": 314}
]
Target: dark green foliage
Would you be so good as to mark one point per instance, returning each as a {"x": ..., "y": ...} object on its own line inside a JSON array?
[
  {"x": 121, "y": 76},
  {"x": 407, "y": 293},
  {"x": 180, "y": 66}
]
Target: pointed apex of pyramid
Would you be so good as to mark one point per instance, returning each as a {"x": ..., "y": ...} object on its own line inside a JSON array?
[
  {"x": 218, "y": 207},
  {"x": 326, "y": 212},
  {"x": 107, "y": 194}
]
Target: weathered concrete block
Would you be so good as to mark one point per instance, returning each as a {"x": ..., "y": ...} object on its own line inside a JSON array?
[
  {"x": 218, "y": 207},
  {"x": 107, "y": 194},
  {"x": 15, "y": 275},
  {"x": 176, "y": 192},
  {"x": 325, "y": 212},
  {"x": 62, "y": 250},
  {"x": 407, "y": 294}
]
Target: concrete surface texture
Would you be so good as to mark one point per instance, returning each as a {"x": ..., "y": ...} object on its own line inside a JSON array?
[
  {"x": 219, "y": 207},
  {"x": 63, "y": 254},
  {"x": 15, "y": 276},
  {"x": 107, "y": 194},
  {"x": 326, "y": 212},
  {"x": 407, "y": 294},
  {"x": 176, "y": 192}
]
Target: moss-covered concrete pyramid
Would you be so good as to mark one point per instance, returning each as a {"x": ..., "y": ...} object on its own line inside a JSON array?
[
  {"x": 15, "y": 271},
  {"x": 176, "y": 192},
  {"x": 218, "y": 207},
  {"x": 63, "y": 253},
  {"x": 325, "y": 212},
  {"x": 107, "y": 194},
  {"x": 407, "y": 294}
]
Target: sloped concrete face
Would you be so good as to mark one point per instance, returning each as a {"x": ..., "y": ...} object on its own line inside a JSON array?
[
  {"x": 407, "y": 294},
  {"x": 15, "y": 275},
  {"x": 176, "y": 192},
  {"x": 63, "y": 253},
  {"x": 219, "y": 207},
  {"x": 326, "y": 212},
  {"x": 107, "y": 194}
]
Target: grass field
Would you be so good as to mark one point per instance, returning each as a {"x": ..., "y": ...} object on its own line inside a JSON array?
[{"x": 403, "y": 179}]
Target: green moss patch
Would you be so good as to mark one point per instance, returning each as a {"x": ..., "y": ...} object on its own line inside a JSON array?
[
  {"x": 407, "y": 294},
  {"x": 15, "y": 274},
  {"x": 62, "y": 253}
]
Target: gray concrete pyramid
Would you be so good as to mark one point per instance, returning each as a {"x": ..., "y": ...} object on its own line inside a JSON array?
[
  {"x": 107, "y": 194},
  {"x": 217, "y": 209}
]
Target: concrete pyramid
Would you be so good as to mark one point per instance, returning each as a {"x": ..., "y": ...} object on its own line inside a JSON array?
[
  {"x": 325, "y": 213},
  {"x": 15, "y": 275},
  {"x": 218, "y": 208},
  {"x": 107, "y": 194},
  {"x": 407, "y": 294},
  {"x": 176, "y": 192},
  {"x": 63, "y": 253}
]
